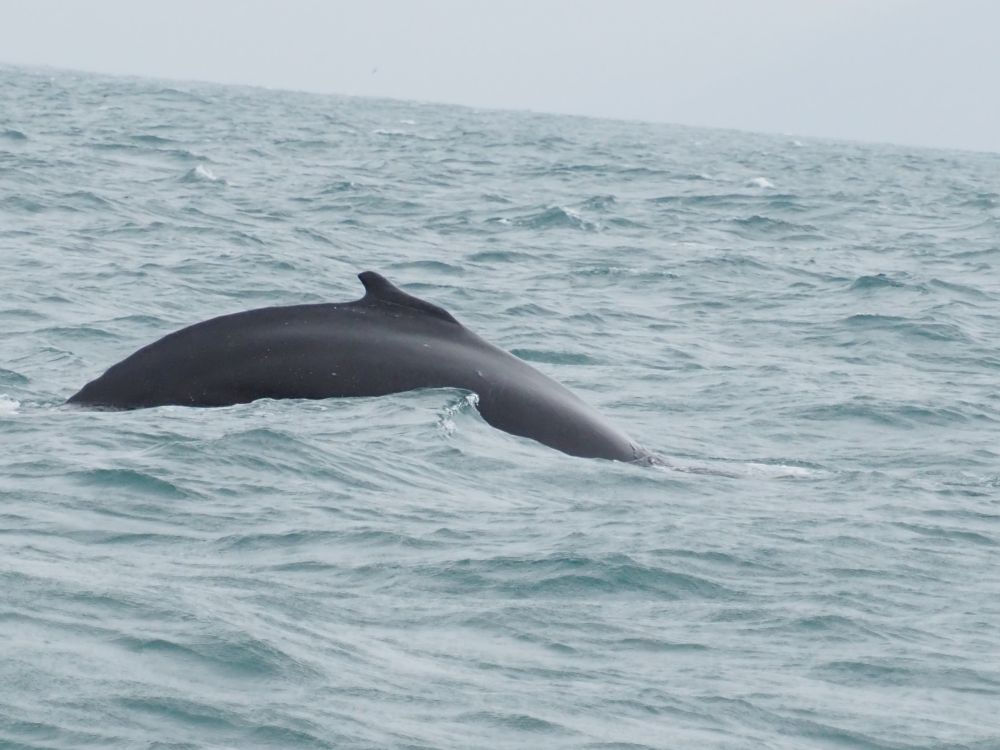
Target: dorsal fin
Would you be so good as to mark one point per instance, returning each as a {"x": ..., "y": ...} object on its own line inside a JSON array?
[{"x": 379, "y": 289}]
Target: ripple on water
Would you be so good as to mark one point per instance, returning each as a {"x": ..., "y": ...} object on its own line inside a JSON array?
[{"x": 804, "y": 330}]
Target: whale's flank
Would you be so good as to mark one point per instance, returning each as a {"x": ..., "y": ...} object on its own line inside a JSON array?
[{"x": 386, "y": 342}]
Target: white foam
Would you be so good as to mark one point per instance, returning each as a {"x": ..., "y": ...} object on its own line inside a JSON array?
[
  {"x": 740, "y": 470},
  {"x": 578, "y": 218},
  {"x": 761, "y": 182},
  {"x": 446, "y": 419},
  {"x": 778, "y": 471},
  {"x": 8, "y": 405},
  {"x": 202, "y": 172}
]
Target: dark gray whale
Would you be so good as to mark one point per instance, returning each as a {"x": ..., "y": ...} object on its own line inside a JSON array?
[{"x": 386, "y": 342}]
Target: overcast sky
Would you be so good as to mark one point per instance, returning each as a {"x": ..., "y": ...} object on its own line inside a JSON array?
[{"x": 923, "y": 72}]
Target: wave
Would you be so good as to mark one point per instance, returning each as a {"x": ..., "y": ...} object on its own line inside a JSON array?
[
  {"x": 144, "y": 151},
  {"x": 153, "y": 140},
  {"x": 890, "y": 413},
  {"x": 201, "y": 173},
  {"x": 554, "y": 217},
  {"x": 878, "y": 281},
  {"x": 575, "y": 577},
  {"x": 554, "y": 357},
  {"x": 923, "y": 329},
  {"x": 130, "y": 481},
  {"x": 759, "y": 226}
]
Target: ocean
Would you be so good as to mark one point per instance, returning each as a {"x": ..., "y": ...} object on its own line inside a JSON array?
[{"x": 805, "y": 331}]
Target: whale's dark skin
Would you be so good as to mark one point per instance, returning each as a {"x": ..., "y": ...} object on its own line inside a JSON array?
[{"x": 386, "y": 342}]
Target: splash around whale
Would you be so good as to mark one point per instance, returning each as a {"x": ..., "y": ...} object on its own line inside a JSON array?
[{"x": 386, "y": 342}]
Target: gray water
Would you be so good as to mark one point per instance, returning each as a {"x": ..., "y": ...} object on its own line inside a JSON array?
[{"x": 806, "y": 331}]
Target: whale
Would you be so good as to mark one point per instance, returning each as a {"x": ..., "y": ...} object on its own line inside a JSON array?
[{"x": 386, "y": 342}]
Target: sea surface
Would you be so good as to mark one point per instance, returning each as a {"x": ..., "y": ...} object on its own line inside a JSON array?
[{"x": 807, "y": 332}]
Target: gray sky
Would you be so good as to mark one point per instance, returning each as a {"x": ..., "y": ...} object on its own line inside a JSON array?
[{"x": 923, "y": 72}]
